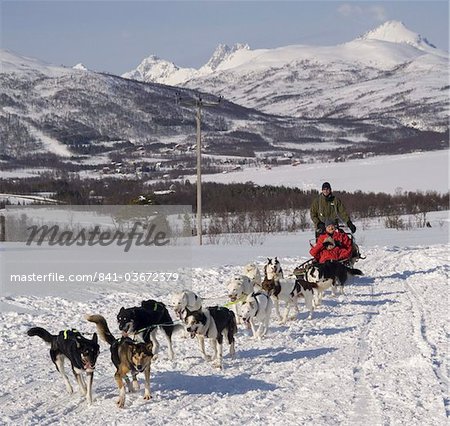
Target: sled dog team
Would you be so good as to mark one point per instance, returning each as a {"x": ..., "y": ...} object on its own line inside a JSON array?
[{"x": 251, "y": 297}]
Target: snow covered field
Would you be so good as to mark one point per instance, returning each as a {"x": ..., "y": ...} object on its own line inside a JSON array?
[
  {"x": 376, "y": 356},
  {"x": 410, "y": 172}
]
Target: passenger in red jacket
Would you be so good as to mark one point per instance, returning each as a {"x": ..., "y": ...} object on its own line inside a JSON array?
[{"x": 333, "y": 245}]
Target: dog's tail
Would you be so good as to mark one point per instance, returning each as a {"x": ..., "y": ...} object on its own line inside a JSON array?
[
  {"x": 355, "y": 271},
  {"x": 42, "y": 333},
  {"x": 102, "y": 328}
]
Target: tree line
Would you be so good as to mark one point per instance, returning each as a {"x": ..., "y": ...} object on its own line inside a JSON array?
[{"x": 222, "y": 199}]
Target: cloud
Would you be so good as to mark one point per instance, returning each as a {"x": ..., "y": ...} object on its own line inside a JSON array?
[{"x": 349, "y": 10}]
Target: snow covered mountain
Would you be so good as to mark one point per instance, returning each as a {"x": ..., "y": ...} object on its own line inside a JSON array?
[
  {"x": 86, "y": 119},
  {"x": 80, "y": 114},
  {"x": 396, "y": 32},
  {"x": 390, "y": 72},
  {"x": 73, "y": 111}
]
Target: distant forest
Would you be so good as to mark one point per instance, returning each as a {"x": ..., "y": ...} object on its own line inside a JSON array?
[{"x": 221, "y": 198}]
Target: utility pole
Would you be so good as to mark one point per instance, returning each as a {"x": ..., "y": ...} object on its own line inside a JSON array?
[{"x": 199, "y": 103}]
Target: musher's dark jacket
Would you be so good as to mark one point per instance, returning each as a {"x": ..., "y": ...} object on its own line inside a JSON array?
[{"x": 331, "y": 208}]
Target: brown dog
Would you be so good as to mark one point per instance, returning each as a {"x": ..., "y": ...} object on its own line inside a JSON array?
[{"x": 128, "y": 357}]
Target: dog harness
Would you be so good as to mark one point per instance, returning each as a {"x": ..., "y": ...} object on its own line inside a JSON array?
[
  {"x": 73, "y": 330},
  {"x": 256, "y": 300}
]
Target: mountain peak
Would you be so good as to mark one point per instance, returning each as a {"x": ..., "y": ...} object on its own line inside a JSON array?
[
  {"x": 397, "y": 32},
  {"x": 222, "y": 52},
  {"x": 80, "y": 67}
]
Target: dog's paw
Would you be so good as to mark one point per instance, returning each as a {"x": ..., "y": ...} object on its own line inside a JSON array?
[
  {"x": 147, "y": 396},
  {"x": 120, "y": 402}
]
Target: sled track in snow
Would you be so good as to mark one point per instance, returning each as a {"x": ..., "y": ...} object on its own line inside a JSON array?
[
  {"x": 421, "y": 334},
  {"x": 366, "y": 409}
]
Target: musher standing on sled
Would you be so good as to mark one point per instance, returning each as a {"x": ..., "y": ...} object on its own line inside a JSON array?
[{"x": 326, "y": 207}]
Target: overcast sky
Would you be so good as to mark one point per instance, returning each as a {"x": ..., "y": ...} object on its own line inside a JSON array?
[{"x": 115, "y": 36}]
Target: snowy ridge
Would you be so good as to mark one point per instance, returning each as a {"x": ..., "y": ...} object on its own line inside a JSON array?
[{"x": 13, "y": 63}]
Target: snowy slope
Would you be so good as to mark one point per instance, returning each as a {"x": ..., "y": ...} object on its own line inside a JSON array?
[
  {"x": 30, "y": 67},
  {"x": 377, "y": 355}
]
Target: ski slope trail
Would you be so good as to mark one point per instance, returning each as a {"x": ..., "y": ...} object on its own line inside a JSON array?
[{"x": 376, "y": 355}]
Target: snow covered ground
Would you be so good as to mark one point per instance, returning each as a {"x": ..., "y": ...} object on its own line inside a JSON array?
[
  {"x": 410, "y": 172},
  {"x": 376, "y": 356}
]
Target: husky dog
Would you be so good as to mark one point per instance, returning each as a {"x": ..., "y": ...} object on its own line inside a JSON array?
[
  {"x": 257, "y": 307},
  {"x": 186, "y": 299},
  {"x": 127, "y": 356},
  {"x": 239, "y": 287},
  {"x": 81, "y": 352},
  {"x": 331, "y": 273},
  {"x": 286, "y": 289},
  {"x": 252, "y": 271},
  {"x": 142, "y": 322},
  {"x": 213, "y": 323},
  {"x": 273, "y": 269},
  {"x": 312, "y": 292}
]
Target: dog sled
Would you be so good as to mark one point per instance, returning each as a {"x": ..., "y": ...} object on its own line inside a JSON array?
[{"x": 349, "y": 262}]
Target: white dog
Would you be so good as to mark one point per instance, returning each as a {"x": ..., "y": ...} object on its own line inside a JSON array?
[
  {"x": 239, "y": 287},
  {"x": 257, "y": 308},
  {"x": 186, "y": 299},
  {"x": 252, "y": 271}
]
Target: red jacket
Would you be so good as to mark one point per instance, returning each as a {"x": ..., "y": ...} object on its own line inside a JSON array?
[{"x": 322, "y": 254}]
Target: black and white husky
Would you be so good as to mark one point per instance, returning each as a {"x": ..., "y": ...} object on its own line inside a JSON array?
[
  {"x": 81, "y": 352},
  {"x": 332, "y": 274},
  {"x": 280, "y": 288},
  {"x": 273, "y": 269},
  {"x": 285, "y": 289},
  {"x": 257, "y": 309},
  {"x": 213, "y": 323}
]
